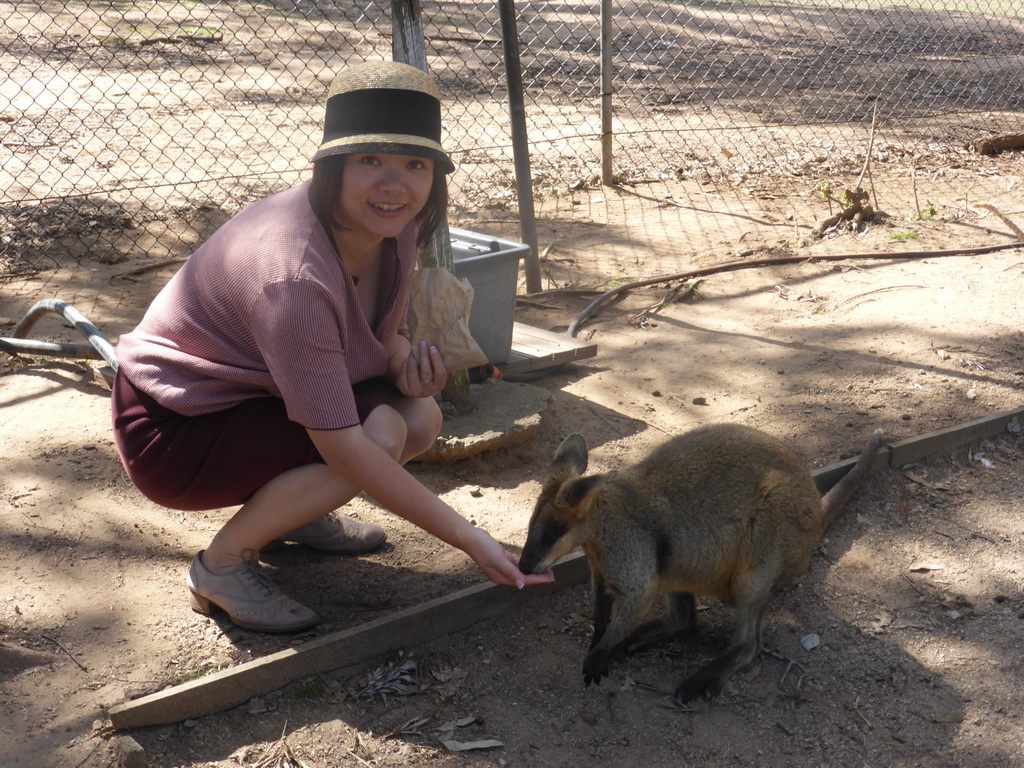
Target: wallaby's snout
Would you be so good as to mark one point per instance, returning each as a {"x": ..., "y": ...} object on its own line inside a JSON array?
[{"x": 556, "y": 524}]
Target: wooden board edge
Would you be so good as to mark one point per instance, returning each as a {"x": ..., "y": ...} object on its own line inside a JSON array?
[{"x": 902, "y": 452}]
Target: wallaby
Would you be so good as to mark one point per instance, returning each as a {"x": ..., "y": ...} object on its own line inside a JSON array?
[{"x": 723, "y": 510}]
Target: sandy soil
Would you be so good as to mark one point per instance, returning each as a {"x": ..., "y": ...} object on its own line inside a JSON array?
[{"x": 917, "y": 595}]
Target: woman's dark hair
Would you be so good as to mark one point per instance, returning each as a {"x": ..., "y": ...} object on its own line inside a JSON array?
[{"x": 325, "y": 191}]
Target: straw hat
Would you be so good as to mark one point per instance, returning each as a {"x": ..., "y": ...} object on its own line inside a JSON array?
[{"x": 384, "y": 107}]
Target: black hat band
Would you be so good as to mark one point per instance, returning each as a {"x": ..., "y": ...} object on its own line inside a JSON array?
[{"x": 385, "y": 112}]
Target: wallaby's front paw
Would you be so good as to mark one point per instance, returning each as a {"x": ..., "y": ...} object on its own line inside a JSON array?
[
  {"x": 698, "y": 686},
  {"x": 595, "y": 666}
]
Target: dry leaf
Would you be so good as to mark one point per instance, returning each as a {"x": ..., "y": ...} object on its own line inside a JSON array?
[
  {"x": 948, "y": 716},
  {"x": 464, "y": 746}
]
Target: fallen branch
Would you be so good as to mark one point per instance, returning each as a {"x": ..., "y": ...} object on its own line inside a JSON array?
[
  {"x": 996, "y": 144},
  {"x": 680, "y": 292},
  {"x": 999, "y": 215},
  {"x": 216, "y": 37},
  {"x": 280, "y": 755},
  {"x": 860, "y": 298}
]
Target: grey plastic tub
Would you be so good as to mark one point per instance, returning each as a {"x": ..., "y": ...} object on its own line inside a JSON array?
[{"x": 492, "y": 267}]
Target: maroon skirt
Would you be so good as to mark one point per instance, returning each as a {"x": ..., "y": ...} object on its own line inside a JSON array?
[{"x": 217, "y": 459}]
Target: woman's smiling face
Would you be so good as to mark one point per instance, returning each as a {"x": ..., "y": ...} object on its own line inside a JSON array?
[{"x": 382, "y": 193}]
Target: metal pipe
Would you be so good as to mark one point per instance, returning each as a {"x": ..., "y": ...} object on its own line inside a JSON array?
[
  {"x": 103, "y": 348},
  {"x": 49, "y": 348}
]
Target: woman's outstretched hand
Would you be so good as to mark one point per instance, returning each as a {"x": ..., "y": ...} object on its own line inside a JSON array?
[
  {"x": 499, "y": 565},
  {"x": 423, "y": 373}
]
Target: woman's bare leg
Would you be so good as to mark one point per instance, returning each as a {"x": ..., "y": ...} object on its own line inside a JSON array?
[
  {"x": 307, "y": 493},
  {"x": 422, "y": 420}
]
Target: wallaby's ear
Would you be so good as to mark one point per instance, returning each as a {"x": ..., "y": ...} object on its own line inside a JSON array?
[
  {"x": 570, "y": 458},
  {"x": 569, "y": 462},
  {"x": 578, "y": 495}
]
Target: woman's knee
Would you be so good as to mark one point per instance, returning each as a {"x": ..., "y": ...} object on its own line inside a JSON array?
[
  {"x": 423, "y": 422},
  {"x": 405, "y": 429},
  {"x": 387, "y": 428}
]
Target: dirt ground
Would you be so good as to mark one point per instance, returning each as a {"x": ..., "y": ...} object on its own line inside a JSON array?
[
  {"x": 916, "y": 596},
  {"x": 915, "y": 600}
]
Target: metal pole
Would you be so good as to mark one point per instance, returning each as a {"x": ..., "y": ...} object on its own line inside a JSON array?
[
  {"x": 607, "y": 172},
  {"x": 520, "y": 143}
]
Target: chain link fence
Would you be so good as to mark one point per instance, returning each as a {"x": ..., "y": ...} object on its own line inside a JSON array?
[{"x": 131, "y": 130}]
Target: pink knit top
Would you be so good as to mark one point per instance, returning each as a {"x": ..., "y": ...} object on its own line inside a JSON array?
[{"x": 266, "y": 307}]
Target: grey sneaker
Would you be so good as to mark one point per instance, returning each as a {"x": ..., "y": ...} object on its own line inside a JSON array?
[
  {"x": 248, "y": 596},
  {"x": 337, "y": 535}
]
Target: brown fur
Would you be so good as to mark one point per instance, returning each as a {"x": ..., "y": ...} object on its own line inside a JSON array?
[{"x": 723, "y": 510}]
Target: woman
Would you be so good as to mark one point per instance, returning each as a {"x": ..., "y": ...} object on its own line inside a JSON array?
[{"x": 275, "y": 370}]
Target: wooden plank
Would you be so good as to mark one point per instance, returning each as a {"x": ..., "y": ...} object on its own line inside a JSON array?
[
  {"x": 528, "y": 334},
  {"x": 452, "y": 613},
  {"x": 401, "y": 630},
  {"x": 913, "y": 449},
  {"x": 535, "y": 349}
]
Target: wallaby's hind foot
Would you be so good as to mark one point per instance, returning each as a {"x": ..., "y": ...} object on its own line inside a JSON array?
[
  {"x": 711, "y": 679},
  {"x": 679, "y": 620},
  {"x": 699, "y": 685}
]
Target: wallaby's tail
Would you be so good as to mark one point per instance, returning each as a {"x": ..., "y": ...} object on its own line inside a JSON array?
[{"x": 837, "y": 496}]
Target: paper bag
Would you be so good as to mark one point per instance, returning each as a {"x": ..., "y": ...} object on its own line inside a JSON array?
[{"x": 439, "y": 305}]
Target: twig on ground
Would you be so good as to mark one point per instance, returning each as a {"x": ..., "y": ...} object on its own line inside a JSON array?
[
  {"x": 856, "y": 708},
  {"x": 85, "y": 759},
  {"x": 605, "y": 419},
  {"x": 148, "y": 268},
  {"x": 913, "y": 184},
  {"x": 789, "y": 666},
  {"x": 855, "y": 301},
  {"x": 680, "y": 291},
  {"x": 60, "y": 645},
  {"x": 357, "y": 757},
  {"x": 280, "y": 755},
  {"x": 912, "y": 584}
]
